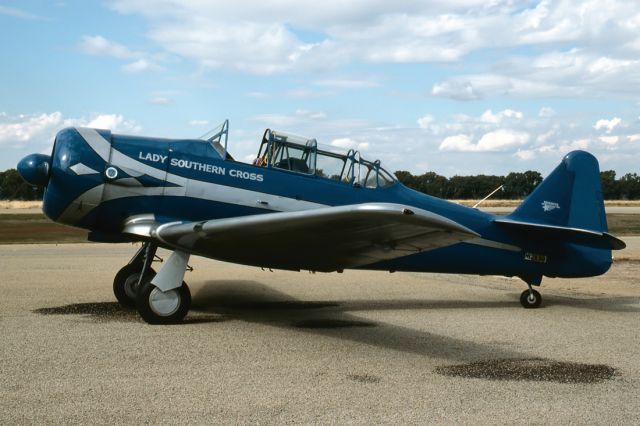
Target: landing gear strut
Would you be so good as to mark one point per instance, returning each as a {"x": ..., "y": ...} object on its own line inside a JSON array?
[{"x": 531, "y": 299}]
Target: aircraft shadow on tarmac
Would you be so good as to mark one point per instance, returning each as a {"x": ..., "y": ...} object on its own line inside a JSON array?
[
  {"x": 255, "y": 302},
  {"x": 251, "y": 301}
]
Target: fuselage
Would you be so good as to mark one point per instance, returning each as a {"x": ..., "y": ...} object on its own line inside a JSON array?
[{"x": 98, "y": 180}]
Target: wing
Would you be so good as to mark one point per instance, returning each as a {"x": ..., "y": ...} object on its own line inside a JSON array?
[{"x": 325, "y": 239}]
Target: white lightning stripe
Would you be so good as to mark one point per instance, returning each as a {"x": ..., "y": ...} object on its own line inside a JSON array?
[
  {"x": 125, "y": 163},
  {"x": 82, "y": 169},
  {"x": 100, "y": 145},
  {"x": 239, "y": 196},
  {"x": 81, "y": 206}
]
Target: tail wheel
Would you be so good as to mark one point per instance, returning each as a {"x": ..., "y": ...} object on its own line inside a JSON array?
[
  {"x": 125, "y": 284},
  {"x": 163, "y": 307},
  {"x": 530, "y": 299}
]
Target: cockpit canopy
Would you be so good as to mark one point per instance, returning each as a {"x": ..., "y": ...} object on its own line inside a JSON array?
[
  {"x": 295, "y": 153},
  {"x": 285, "y": 151}
]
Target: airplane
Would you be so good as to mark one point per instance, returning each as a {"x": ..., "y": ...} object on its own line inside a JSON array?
[{"x": 303, "y": 206}]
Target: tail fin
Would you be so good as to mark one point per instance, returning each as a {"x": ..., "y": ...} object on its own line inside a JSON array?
[
  {"x": 571, "y": 196},
  {"x": 567, "y": 205}
]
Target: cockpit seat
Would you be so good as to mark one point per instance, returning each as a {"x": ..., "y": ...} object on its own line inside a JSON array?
[{"x": 293, "y": 164}]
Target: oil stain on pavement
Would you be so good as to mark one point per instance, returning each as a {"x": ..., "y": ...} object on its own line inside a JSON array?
[
  {"x": 531, "y": 369},
  {"x": 113, "y": 311}
]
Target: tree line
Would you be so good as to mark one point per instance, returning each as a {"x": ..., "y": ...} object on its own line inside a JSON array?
[
  {"x": 515, "y": 185},
  {"x": 13, "y": 187}
]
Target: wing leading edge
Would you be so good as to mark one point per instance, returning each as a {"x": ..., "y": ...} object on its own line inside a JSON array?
[{"x": 325, "y": 239}]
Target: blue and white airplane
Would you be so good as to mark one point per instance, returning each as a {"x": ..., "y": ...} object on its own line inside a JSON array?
[{"x": 300, "y": 206}]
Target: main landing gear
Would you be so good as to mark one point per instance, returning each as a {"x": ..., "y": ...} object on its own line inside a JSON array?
[
  {"x": 161, "y": 298},
  {"x": 531, "y": 299}
]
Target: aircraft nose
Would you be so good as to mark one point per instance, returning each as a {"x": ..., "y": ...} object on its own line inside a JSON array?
[{"x": 35, "y": 168}]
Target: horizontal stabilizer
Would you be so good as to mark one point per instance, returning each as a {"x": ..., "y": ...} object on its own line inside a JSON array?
[{"x": 585, "y": 237}]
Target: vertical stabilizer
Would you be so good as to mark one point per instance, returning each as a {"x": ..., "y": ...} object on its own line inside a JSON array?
[{"x": 571, "y": 196}]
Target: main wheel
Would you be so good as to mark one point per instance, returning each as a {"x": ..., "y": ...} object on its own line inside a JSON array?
[
  {"x": 125, "y": 284},
  {"x": 163, "y": 307},
  {"x": 530, "y": 299}
]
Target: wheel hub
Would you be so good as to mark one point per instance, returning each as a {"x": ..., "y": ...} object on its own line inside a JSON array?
[
  {"x": 131, "y": 285},
  {"x": 164, "y": 303}
]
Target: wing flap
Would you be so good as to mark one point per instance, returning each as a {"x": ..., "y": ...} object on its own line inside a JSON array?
[{"x": 325, "y": 239}]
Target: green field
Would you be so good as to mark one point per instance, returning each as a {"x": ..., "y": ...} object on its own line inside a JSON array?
[{"x": 36, "y": 228}]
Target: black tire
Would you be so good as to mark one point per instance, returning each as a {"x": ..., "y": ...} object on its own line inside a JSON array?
[
  {"x": 125, "y": 284},
  {"x": 530, "y": 300},
  {"x": 169, "y": 308}
]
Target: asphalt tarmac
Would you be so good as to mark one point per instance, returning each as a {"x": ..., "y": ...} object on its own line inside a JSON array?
[{"x": 279, "y": 347}]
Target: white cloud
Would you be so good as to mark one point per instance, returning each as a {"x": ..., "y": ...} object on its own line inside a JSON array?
[
  {"x": 257, "y": 95},
  {"x": 426, "y": 121},
  {"x": 24, "y": 128},
  {"x": 249, "y": 158},
  {"x": 609, "y": 140},
  {"x": 345, "y": 143},
  {"x": 254, "y": 47},
  {"x": 481, "y": 86},
  {"x": 307, "y": 94},
  {"x": 363, "y": 146},
  {"x": 608, "y": 125},
  {"x": 572, "y": 73},
  {"x": 498, "y": 140},
  {"x": 100, "y": 46},
  {"x": 347, "y": 83},
  {"x": 314, "y": 115},
  {"x": 199, "y": 122},
  {"x": 139, "y": 66},
  {"x": 572, "y": 48},
  {"x": 38, "y": 130},
  {"x": 489, "y": 117},
  {"x": 546, "y": 112},
  {"x": 526, "y": 154},
  {"x": 160, "y": 100},
  {"x": 580, "y": 144},
  {"x": 457, "y": 143},
  {"x": 348, "y": 143},
  {"x": 634, "y": 138},
  {"x": 295, "y": 119},
  {"x": 543, "y": 138},
  {"x": 18, "y": 13},
  {"x": 501, "y": 139},
  {"x": 113, "y": 122},
  {"x": 456, "y": 88}
]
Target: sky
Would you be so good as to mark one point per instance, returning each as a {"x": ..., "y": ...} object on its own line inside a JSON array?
[{"x": 456, "y": 87}]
